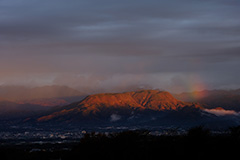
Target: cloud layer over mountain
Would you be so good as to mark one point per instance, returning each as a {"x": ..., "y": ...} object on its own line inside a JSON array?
[{"x": 174, "y": 45}]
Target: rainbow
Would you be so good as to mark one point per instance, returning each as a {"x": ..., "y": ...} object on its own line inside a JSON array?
[{"x": 196, "y": 86}]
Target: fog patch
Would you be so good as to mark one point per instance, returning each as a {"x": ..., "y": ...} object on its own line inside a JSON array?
[
  {"x": 115, "y": 117},
  {"x": 222, "y": 112}
]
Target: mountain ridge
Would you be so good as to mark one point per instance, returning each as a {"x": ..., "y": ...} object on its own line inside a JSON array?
[{"x": 109, "y": 103}]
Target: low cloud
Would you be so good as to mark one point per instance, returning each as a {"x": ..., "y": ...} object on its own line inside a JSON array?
[
  {"x": 115, "y": 117},
  {"x": 222, "y": 112}
]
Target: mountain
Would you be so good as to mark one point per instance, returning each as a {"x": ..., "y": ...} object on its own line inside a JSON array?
[
  {"x": 140, "y": 108},
  {"x": 226, "y": 99},
  {"x": 143, "y": 107}
]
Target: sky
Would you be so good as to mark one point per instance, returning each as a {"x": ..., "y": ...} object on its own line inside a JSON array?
[{"x": 112, "y": 45}]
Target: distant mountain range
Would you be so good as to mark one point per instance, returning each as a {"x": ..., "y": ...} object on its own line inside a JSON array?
[
  {"x": 64, "y": 106},
  {"x": 19, "y": 101},
  {"x": 226, "y": 99},
  {"x": 11, "y": 110}
]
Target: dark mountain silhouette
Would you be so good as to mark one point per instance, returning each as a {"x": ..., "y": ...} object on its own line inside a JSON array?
[
  {"x": 19, "y": 101},
  {"x": 229, "y": 100},
  {"x": 11, "y": 110}
]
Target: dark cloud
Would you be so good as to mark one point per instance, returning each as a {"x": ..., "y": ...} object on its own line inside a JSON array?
[{"x": 163, "y": 41}]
